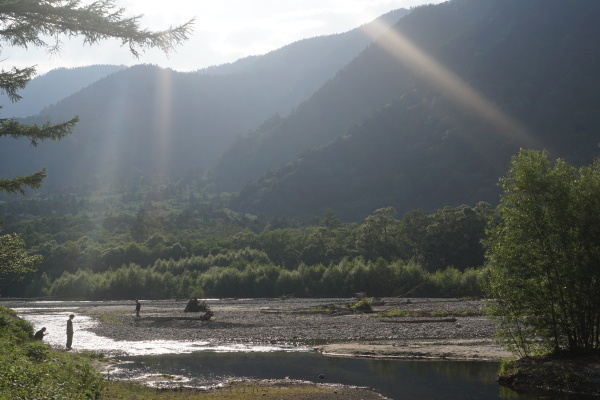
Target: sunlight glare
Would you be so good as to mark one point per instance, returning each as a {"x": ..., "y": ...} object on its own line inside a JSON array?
[{"x": 162, "y": 119}]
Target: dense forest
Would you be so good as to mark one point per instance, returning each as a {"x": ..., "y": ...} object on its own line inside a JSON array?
[
  {"x": 168, "y": 241},
  {"x": 372, "y": 168}
]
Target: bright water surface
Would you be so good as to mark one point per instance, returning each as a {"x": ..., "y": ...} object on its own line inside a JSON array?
[
  {"x": 202, "y": 364},
  {"x": 55, "y": 321}
]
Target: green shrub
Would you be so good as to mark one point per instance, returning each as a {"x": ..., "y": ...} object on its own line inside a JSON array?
[
  {"x": 363, "y": 305},
  {"x": 36, "y": 351}
]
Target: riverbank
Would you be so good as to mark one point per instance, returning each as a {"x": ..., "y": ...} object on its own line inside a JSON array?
[
  {"x": 563, "y": 373},
  {"x": 29, "y": 369},
  {"x": 241, "y": 390},
  {"x": 448, "y": 329},
  {"x": 327, "y": 325}
]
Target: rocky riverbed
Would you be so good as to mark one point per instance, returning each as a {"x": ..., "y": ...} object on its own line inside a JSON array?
[{"x": 325, "y": 324}]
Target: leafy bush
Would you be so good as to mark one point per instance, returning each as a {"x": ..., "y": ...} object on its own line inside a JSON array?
[{"x": 37, "y": 351}]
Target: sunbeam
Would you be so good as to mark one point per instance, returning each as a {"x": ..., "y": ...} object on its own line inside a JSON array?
[
  {"x": 460, "y": 92},
  {"x": 162, "y": 120},
  {"x": 113, "y": 145}
]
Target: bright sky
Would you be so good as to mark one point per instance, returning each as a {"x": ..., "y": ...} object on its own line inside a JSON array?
[{"x": 225, "y": 31}]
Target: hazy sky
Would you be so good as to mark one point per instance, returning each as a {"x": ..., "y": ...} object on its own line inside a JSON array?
[{"x": 225, "y": 30}]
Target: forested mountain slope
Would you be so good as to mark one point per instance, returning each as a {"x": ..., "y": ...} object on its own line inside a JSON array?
[
  {"x": 369, "y": 82},
  {"x": 145, "y": 121},
  {"x": 483, "y": 79}
]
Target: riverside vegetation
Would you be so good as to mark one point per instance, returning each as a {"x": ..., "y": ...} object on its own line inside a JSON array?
[
  {"x": 544, "y": 281},
  {"x": 166, "y": 242},
  {"x": 30, "y": 369}
]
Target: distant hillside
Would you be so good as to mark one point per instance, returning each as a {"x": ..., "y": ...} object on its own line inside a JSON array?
[
  {"x": 49, "y": 88},
  {"x": 144, "y": 121},
  {"x": 529, "y": 73},
  {"x": 366, "y": 84}
]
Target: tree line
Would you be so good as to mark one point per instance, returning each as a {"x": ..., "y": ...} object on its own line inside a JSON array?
[
  {"x": 241, "y": 277},
  {"x": 195, "y": 230}
]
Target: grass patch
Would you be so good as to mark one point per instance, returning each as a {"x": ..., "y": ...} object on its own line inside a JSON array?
[
  {"x": 112, "y": 318},
  {"x": 392, "y": 313},
  {"x": 508, "y": 367},
  {"x": 317, "y": 310},
  {"x": 234, "y": 391},
  {"x": 329, "y": 309}
]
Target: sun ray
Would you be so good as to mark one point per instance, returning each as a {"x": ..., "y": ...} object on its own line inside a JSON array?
[
  {"x": 110, "y": 154},
  {"x": 162, "y": 120},
  {"x": 448, "y": 83}
]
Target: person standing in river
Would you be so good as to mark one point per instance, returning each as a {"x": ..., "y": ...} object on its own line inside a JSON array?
[
  {"x": 70, "y": 331},
  {"x": 138, "y": 307}
]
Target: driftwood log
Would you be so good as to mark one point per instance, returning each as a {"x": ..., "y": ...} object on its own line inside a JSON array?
[
  {"x": 418, "y": 321},
  {"x": 195, "y": 306},
  {"x": 208, "y": 315}
]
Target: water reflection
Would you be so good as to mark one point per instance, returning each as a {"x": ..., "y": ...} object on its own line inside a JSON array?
[
  {"x": 55, "y": 321},
  {"x": 392, "y": 378},
  {"x": 464, "y": 371},
  {"x": 395, "y": 379}
]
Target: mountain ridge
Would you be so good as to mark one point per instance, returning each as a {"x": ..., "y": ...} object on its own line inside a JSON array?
[
  {"x": 54, "y": 86},
  {"x": 161, "y": 122},
  {"x": 425, "y": 148}
]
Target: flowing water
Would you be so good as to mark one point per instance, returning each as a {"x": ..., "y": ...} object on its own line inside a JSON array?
[
  {"x": 203, "y": 364},
  {"x": 53, "y": 317}
]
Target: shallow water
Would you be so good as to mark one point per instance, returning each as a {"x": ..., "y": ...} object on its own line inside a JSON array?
[
  {"x": 395, "y": 379},
  {"x": 392, "y": 378},
  {"x": 200, "y": 364},
  {"x": 54, "y": 318}
]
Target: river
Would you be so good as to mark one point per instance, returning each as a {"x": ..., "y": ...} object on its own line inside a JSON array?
[{"x": 203, "y": 364}]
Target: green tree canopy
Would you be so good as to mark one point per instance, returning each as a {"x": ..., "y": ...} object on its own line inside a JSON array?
[
  {"x": 15, "y": 261},
  {"x": 545, "y": 256}
]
